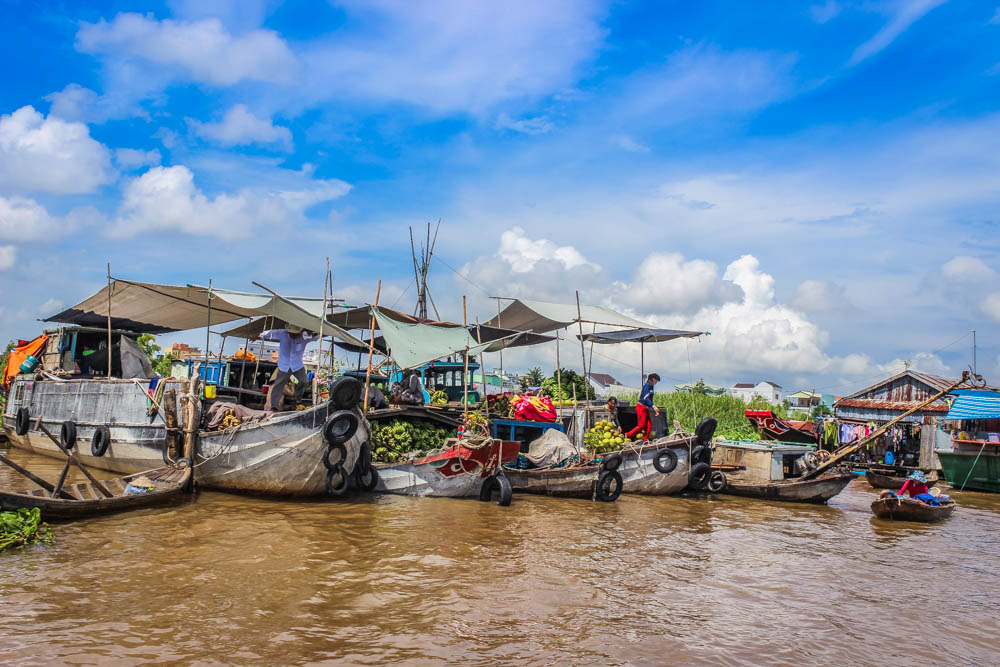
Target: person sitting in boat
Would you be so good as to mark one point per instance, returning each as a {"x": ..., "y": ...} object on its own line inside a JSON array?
[
  {"x": 413, "y": 392},
  {"x": 292, "y": 341},
  {"x": 643, "y": 406},
  {"x": 612, "y": 408},
  {"x": 916, "y": 486}
]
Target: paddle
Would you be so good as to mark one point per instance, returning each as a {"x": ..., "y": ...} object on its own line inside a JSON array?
[{"x": 36, "y": 479}]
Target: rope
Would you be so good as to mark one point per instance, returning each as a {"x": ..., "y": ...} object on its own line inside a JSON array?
[{"x": 973, "y": 467}]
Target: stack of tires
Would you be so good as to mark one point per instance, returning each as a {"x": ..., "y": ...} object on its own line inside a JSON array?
[
  {"x": 701, "y": 477},
  {"x": 340, "y": 427}
]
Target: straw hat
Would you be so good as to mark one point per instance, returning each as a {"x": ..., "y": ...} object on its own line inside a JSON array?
[
  {"x": 142, "y": 482},
  {"x": 293, "y": 329}
]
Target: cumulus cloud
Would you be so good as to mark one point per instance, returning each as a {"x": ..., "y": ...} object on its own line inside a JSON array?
[
  {"x": 523, "y": 253},
  {"x": 203, "y": 50},
  {"x": 51, "y": 306},
  {"x": 904, "y": 14},
  {"x": 23, "y": 219},
  {"x": 818, "y": 296},
  {"x": 130, "y": 158},
  {"x": 240, "y": 127},
  {"x": 167, "y": 199},
  {"x": 39, "y": 154},
  {"x": 991, "y": 306},
  {"x": 666, "y": 282},
  {"x": 8, "y": 255},
  {"x": 967, "y": 269}
]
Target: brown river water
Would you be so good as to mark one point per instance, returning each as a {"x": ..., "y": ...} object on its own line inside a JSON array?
[{"x": 225, "y": 579}]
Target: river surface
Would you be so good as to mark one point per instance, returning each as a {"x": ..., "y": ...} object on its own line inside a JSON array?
[{"x": 226, "y": 579}]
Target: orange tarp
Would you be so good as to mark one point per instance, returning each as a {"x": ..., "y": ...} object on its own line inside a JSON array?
[{"x": 19, "y": 354}]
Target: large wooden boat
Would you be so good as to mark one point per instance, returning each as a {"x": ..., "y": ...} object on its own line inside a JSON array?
[
  {"x": 773, "y": 471},
  {"x": 458, "y": 471},
  {"x": 971, "y": 465},
  {"x": 879, "y": 479},
  {"x": 282, "y": 455},
  {"x": 898, "y": 508}
]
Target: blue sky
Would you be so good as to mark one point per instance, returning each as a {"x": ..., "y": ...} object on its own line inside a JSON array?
[{"x": 816, "y": 184}]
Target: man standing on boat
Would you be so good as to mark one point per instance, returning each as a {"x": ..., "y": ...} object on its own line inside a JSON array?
[
  {"x": 643, "y": 406},
  {"x": 292, "y": 341}
]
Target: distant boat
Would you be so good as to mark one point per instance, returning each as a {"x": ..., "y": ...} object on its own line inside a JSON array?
[
  {"x": 880, "y": 480},
  {"x": 774, "y": 472}
]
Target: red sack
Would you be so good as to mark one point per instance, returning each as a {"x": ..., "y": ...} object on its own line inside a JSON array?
[{"x": 533, "y": 408}]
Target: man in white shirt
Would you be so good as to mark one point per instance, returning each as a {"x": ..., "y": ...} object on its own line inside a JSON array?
[{"x": 292, "y": 342}]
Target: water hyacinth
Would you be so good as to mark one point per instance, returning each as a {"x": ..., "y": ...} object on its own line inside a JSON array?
[{"x": 23, "y": 527}]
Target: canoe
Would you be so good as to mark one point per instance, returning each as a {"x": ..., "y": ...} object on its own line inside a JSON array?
[
  {"x": 881, "y": 481},
  {"x": 456, "y": 472},
  {"x": 818, "y": 490},
  {"x": 907, "y": 509},
  {"x": 87, "y": 500}
]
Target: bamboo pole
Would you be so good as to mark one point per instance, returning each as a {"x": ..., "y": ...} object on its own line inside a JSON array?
[
  {"x": 558, "y": 376},
  {"x": 109, "y": 320},
  {"x": 501, "y": 350},
  {"x": 208, "y": 329},
  {"x": 319, "y": 357},
  {"x": 371, "y": 348},
  {"x": 583, "y": 350},
  {"x": 465, "y": 372},
  {"x": 482, "y": 370},
  {"x": 71, "y": 458}
]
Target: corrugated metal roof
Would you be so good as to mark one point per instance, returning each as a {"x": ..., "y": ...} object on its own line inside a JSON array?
[
  {"x": 931, "y": 381},
  {"x": 901, "y": 406}
]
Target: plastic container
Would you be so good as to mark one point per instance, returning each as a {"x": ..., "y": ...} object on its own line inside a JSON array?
[
  {"x": 29, "y": 364},
  {"x": 209, "y": 391}
]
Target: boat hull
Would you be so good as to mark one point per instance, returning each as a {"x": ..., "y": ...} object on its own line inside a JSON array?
[
  {"x": 894, "y": 482},
  {"x": 906, "y": 509},
  {"x": 458, "y": 472},
  {"x": 964, "y": 472},
  {"x": 817, "y": 490},
  {"x": 282, "y": 456}
]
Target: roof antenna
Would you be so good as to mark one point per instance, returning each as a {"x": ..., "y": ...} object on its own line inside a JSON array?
[{"x": 420, "y": 269}]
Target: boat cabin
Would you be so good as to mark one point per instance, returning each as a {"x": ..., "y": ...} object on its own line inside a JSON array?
[
  {"x": 761, "y": 461},
  {"x": 446, "y": 376}
]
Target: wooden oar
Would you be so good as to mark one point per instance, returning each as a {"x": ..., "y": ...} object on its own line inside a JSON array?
[
  {"x": 79, "y": 464},
  {"x": 35, "y": 478}
]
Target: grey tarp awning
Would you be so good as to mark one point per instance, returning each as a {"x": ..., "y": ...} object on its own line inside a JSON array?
[
  {"x": 541, "y": 316},
  {"x": 154, "y": 308},
  {"x": 638, "y": 336}
]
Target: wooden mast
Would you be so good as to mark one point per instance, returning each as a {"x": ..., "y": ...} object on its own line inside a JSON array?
[{"x": 371, "y": 349}]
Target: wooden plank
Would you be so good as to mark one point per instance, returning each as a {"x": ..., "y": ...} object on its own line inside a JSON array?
[
  {"x": 35, "y": 478},
  {"x": 84, "y": 491}
]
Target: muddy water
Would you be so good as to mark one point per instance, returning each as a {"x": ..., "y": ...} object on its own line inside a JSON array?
[{"x": 228, "y": 579}]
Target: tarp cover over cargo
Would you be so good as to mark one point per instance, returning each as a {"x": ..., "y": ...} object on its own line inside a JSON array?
[
  {"x": 154, "y": 308},
  {"x": 541, "y": 316}
]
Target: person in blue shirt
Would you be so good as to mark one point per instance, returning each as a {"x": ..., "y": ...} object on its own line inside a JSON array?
[
  {"x": 643, "y": 406},
  {"x": 292, "y": 341}
]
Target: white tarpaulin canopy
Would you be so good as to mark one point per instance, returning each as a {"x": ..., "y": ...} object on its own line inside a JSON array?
[
  {"x": 541, "y": 316},
  {"x": 153, "y": 308},
  {"x": 411, "y": 345}
]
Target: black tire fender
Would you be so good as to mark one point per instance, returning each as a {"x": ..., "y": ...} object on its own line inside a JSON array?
[
  {"x": 341, "y": 426},
  {"x": 23, "y": 421},
  {"x": 366, "y": 481},
  {"x": 717, "y": 481},
  {"x": 499, "y": 483},
  {"x": 67, "y": 435},
  {"x": 100, "y": 441},
  {"x": 345, "y": 393},
  {"x": 183, "y": 463},
  {"x": 333, "y": 457},
  {"x": 337, "y": 482},
  {"x": 609, "y": 486},
  {"x": 611, "y": 461},
  {"x": 699, "y": 475},
  {"x": 706, "y": 429},
  {"x": 665, "y": 460},
  {"x": 364, "y": 462}
]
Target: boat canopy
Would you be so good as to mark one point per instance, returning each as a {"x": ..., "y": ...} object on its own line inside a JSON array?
[
  {"x": 975, "y": 404},
  {"x": 411, "y": 345},
  {"x": 154, "y": 308},
  {"x": 638, "y": 336},
  {"x": 541, "y": 316}
]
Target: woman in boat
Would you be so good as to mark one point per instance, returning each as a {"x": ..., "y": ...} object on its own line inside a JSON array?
[
  {"x": 916, "y": 486},
  {"x": 642, "y": 408},
  {"x": 612, "y": 408}
]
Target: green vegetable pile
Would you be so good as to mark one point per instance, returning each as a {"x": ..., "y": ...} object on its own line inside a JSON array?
[
  {"x": 393, "y": 440},
  {"x": 603, "y": 438},
  {"x": 23, "y": 527},
  {"x": 439, "y": 397}
]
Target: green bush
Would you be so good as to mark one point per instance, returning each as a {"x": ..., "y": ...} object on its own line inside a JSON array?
[{"x": 730, "y": 411}]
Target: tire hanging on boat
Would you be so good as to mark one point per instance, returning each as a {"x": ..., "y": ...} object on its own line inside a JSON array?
[
  {"x": 341, "y": 426},
  {"x": 665, "y": 460},
  {"x": 100, "y": 441},
  {"x": 23, "y": 421},
  {"x": 706, "y": 429},
  {"x": 699, "y": 476},
  {"x": 366, "y": 481},
  {"x": 345, "y": 393},
  {"x": 500, "y": 483},
  {"x": 67, "y": 435},
  {"x": 364, "y": 462},
  {"x": 611, "y": 461},
  {"x": 609, "y": 486},
  {"x": 337, "y": 482},
  {"x": 333, "y": 457},
  {"x": 717, "y": 481}
]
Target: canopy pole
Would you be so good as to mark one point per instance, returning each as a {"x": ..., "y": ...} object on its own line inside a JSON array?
[
  {"x": 465, "y": 373},
  {"x": 319, "y": 358},
  {"x": 371, "y": 349},
  {"x": 501, "y": 350},
  {"x": 260, "y": 353},
  {"x": 109, "y": 320},
  {"x": 558, "y": 376},
  {"x": 642, "y": 364},
  {"x": 583, "y": 351},
  {"x": 329, "y": 279},
  {"x": 208, "y": 328},
  {"x": 482, "y": 371},
  {"x": 243, "y": 366}
]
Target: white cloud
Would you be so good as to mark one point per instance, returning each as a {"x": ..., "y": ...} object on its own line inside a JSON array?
[
  {"x": 667, "y": 283},
  {"x": 531, "y": 126},
  {"x": 991, "y": 306},
  {"x": 8, "y": 255},
  {"x": 629, "y": 144},
  {"x": 238, "y": 15},
  {"x": 74, "y": 102},
  {"x": 51, "y": 306},
  {"x": 904, "y": 14},
  {"x": 818, "y": 296},
  {"x": 202, "y": 50},
  {"x": 523, "y": 253},
  {"x": 39, "y": 154},
  {"x": 240, "y": 127},
  {"x": 825, "y": 12},
  {"x": 130, "y": 158},
  {"x": 166, "y": 199},
  {"x": 454, "y": 55},
  {"x": 967, "y": 269},
  {"x": 23, "y": 219}
]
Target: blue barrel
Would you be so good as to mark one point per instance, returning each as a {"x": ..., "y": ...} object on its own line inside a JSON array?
[{"x": 30, "y": 364}]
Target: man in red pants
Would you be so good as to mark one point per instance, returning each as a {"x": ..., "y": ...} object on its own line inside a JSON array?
[{"x": 643, "y": 406}]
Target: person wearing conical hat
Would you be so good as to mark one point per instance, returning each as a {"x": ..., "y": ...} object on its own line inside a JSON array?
[{"x": 915, "y": 484}]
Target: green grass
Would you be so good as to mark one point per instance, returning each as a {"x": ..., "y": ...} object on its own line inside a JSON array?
[{"x": 730, "y": 411}]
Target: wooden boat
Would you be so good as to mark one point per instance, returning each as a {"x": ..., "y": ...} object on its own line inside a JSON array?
[
  {"x": 773, "y": 471},
  {"x": 818, "y": 490},
  {"x": 775, "y": 428},
  {"x": 86, "y": 499},
  {"x": 880, "y": 480},
  {"x": 458, "y": 471},
  {"x": 898, "y": 508}
]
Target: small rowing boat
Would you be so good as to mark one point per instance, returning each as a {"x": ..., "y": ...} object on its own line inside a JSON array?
[
  {"x": 818, "y": 490},
  {"x": 897, "y": 508}
]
